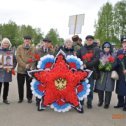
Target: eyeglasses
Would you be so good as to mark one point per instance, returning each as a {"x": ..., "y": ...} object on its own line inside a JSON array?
[{"x": 106, "y": 47}]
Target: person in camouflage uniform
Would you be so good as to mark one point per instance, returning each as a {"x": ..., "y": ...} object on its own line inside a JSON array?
[
  {"x": 77, "y": 43},
  {"x": 25, "y": 60}
]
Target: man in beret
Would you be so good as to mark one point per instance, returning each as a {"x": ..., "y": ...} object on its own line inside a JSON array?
[
  {"x": 91, "y": 48},
  {"x": 121, "y": 70},
  {"x": 24, "y": 53}
]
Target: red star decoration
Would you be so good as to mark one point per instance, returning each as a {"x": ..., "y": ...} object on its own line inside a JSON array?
[{"x": 60, "y": 70}]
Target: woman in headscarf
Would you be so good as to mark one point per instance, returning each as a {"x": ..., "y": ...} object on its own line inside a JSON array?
[{"x": 105, "y": 84}]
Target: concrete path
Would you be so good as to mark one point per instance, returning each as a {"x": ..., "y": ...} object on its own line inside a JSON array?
[{"x": 25, "y": 114}]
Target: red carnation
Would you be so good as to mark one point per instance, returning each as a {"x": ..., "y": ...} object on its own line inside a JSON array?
[
  {"x": 121, "y": 56},
  {"x": 37, "y": 57},
  {"x": 30, "y": 60},
  {"x": 60, "y": 102},
  {"x": 111, "y": 59},
  {"x": 80, "y": 88},
  {"x": 72, "y": 65},
  {"x": 87, "y": 56},
  {"x": 13, "y": 72},
  {"x": 48, "y": 65},
  {"x": 41, "y": 87}
]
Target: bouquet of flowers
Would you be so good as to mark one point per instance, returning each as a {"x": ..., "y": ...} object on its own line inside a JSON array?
[
  {"x": 121, "y": 58},
  {"x": 87, "y": 57},
  {"x": 106, "y": 63},
  {"x": 35, "y": 57}
]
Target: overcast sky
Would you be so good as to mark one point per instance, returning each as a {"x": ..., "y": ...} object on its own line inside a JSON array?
[{"x": 46, "y": 14}]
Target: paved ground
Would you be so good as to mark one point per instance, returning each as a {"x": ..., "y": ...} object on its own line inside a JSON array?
[{"x": 27, "y": 115}]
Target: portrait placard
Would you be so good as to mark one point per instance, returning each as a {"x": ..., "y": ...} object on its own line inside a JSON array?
[{"x": 8, "y": 61}]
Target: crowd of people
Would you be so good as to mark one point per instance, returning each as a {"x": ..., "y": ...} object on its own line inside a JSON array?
[{"x": 103, "y": 62}]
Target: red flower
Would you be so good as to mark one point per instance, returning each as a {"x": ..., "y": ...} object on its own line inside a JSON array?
[
  {"x": 37, "y": 57},
  {"x": 60, "y": 102},
  {"x": 13, "y": 72},
  {"x": 80, "y": 88},
  {"x": 111, "y": 59},
  {"x": 30, "y": 60},
  {"x": 41, "y": 87},
  {"x": 121, "y": 56},
  {"x": 87, "y": 57},
  {"x": 72, "y": 65},
  {"x": 48, "y": 65}
]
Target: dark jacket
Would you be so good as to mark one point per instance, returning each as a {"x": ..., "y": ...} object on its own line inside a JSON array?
[
  {"x": 121, "y": 83},
  {"x": 94, "y": 60},
  {"x": 67, "y": 51}
]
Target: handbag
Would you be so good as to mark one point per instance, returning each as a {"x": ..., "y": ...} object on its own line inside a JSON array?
[{"x": 114, "y": 75}]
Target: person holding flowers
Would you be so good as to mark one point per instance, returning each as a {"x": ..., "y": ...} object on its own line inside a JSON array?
[
  {"x": 89, "y": 54},
  {"x": 105, "y": 84},
  {"x": 121, "y": 70},
  {"x": 26, "y": 59}
]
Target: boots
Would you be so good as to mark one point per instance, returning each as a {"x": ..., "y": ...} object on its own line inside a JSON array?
[
  {"x": 120, "y": 102},
  {"x": 107, "y": 99},
  {"x": 124, "y": 107},
  {"x": 100, "y": 96}
]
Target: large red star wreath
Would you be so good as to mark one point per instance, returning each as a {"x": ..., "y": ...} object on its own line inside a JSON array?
[{"x": 59, "y": 82}]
